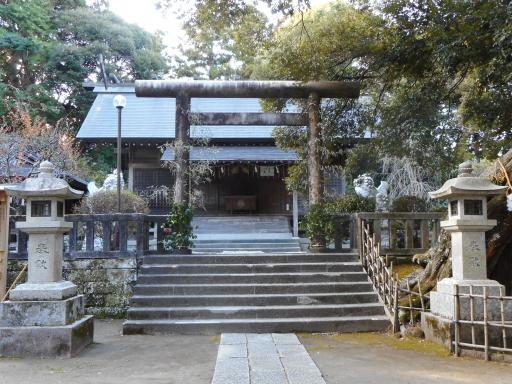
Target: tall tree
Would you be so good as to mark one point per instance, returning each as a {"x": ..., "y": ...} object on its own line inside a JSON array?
[
  {"x": 471, "y": 41},
  {"x": 443, "y": 89},
  {"x": 49, "y": 47},
  {"x": 223, "y": 38}
]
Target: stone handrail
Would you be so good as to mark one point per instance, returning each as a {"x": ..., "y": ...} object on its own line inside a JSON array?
[
  {"x": 401, "y": 233},
  {"x": 108, "y": 232}
]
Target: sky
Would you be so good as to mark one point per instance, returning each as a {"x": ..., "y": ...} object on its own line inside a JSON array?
[{"x": 145, "y": 14}]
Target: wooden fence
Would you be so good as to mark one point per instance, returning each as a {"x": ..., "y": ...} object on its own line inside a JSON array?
[
  {"x": 387, "y": 284},
  {"x": 497, "y": 333}
]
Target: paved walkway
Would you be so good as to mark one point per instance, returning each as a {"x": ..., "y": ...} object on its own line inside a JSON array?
[{"x": 251, "y": 358}]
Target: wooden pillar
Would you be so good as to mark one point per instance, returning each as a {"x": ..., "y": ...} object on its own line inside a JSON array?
[
  {"x": 314, "y": 145},
  {"x": 181, "y": 148},
  {"x": 295, "y": 214},
  {"x": 4, "y": 241}
]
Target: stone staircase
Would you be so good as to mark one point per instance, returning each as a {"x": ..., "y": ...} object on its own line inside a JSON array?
[
  {"x": 244, "y": 234},
  {"x": 215, "y": 293}
]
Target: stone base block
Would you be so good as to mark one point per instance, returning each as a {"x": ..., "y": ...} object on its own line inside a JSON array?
[
  {"x": 442, "y": 331},
  {"x": 437, "y": 329},
  {"x": 442, "y": 302},
  {"x": 47, "y": 342},
  {"x": 41, "y": 313},
  {"x": 43, "y": 291}
]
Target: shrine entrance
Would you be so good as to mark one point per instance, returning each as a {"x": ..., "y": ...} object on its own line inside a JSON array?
[{"x": 246, "y": 188}]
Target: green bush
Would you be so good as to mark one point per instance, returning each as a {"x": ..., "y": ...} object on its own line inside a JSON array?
[
  {"x": 179, "y": 229},
  {"x": 409, "y": 204},
  {"x": 318, "y": 223},
  {"x": 106, "y": 202},
  {"x": 350, "y": 204}
]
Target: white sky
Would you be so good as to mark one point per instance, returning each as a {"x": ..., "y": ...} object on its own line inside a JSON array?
[{"x": 145, "y": 14}]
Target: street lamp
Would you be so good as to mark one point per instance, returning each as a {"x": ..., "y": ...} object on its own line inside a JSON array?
[{"x": 119, "y": 102}]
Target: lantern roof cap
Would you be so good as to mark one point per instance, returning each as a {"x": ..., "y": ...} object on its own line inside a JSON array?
[
  {"x": 44, "y": 185},
  {"x": 467, "y": 184}
]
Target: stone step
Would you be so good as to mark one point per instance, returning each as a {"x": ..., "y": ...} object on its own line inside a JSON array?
[
  {"x": 212, "y": 278},
  {"x": 257, "y": 325},
  {"x": 254, "y": 288},
  {"x": 246, "y": 224},
  {"x": 250, "y": 259},
  {"x": 253, "y": 299},
  {"x": 245, "y": 242},
  {"x": 157, "y": 269},
  {"x": 270, "y": 249},
  {"x": 245, "y": 312}
]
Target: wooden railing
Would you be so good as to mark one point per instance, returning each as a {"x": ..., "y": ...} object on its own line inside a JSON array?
[
  {"x": 101, "y": 236},
  {"x": 387, "y": 284},
  {"x": 401, "y": 234}
]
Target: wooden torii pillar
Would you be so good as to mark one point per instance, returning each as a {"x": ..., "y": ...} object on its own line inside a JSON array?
[{"x": 183, "y": 90}]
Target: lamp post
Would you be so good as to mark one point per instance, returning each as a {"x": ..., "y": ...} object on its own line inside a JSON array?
[{"x": 119, "y": 102}]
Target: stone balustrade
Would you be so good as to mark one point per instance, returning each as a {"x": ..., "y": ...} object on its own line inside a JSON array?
[{"x": 115, "y": 235}]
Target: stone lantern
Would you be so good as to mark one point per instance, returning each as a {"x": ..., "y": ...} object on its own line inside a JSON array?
[
  {"x": 45, "y": 316},
  {"x": 467, "y": 223}
]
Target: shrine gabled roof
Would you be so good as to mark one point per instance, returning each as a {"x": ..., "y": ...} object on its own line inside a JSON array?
[{"x": 154, "y": 118}]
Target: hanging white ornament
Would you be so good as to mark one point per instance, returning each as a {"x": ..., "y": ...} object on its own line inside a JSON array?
[{"x": 509, "y": 202}]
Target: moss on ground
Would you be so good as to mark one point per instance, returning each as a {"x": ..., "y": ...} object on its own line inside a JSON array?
[
  {"x": 405, "y": 269},
  {"x": 318, "y": 342}
]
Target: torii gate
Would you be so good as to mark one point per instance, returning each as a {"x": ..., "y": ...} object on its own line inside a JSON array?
[{"x": 184, "y": 90}]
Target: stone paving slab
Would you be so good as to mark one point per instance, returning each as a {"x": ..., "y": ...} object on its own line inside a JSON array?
[{"x": 267, "y": 358}]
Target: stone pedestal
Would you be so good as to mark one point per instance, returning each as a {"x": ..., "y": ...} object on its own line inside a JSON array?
[
  {"x": 57, "y": 328},
  {"x": 442, "y": 301}
]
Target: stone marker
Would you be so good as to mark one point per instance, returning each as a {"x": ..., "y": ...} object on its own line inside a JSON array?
[
  {"x": 44, "y": 317},
  {"x": 467, "y": 223}
]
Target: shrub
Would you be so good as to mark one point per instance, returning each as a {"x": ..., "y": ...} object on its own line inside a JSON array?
[
  {"x": 409, "y": 204},
  {"x": 351, "y": 204},
  {"x": 106, "y": 202},
  {"x": 179, "y": 226},
  {"x": 318, "y": 223}
]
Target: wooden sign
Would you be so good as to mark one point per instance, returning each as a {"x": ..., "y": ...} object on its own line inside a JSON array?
[{"x": 266, "y": 171}]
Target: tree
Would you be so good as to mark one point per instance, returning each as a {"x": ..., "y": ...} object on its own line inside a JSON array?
[
  {"x": 464, "y": 48},
  {"x": 336, "y": 42},
  {"x": 418, "y": 76},
  {"x": 28, "y": 141},
  {"x": 223, "y": 38},
  {"x": 49, "y": 47}
]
